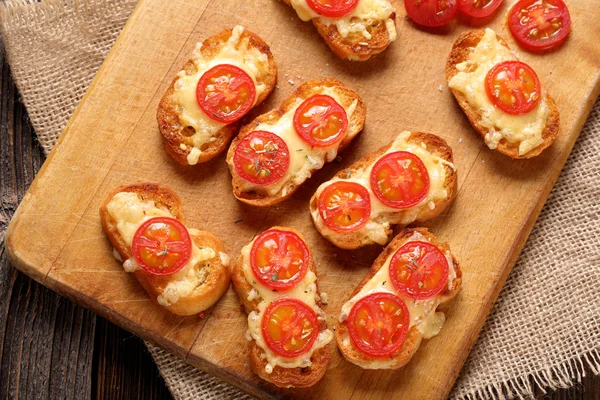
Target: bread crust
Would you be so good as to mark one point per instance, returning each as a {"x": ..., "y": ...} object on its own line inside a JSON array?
[
  {"x": 281, "y": 377},
  {"x": 460, "y": 53},
  {"x": 175, "y": 134},
  {"x": 217, "y": 279},
  {"x": 413, "y": 339},
  {"x": 304, "y": 91},
  {"x": 353, "y": 240},
  {"x": 354, "y": 47}
]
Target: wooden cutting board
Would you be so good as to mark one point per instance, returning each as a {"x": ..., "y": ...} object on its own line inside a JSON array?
[{"x": 112, "y": 139}]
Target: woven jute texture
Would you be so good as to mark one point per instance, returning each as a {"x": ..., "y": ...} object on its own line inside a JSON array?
[{"x": 545, "y": 326}]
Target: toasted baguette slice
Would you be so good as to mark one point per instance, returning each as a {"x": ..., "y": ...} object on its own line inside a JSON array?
[
  {"x": 179, "y": 136},
  {"x": 370, "y": 234},
  {"x": 214, "y": 272},
  {"x": 416, "y": 332},
  {"x": 461, "y": 50},
  {"x": 280, "y": 376},
  {"x": 259, "y": 196},
  {"x": 355, "y": 46}
]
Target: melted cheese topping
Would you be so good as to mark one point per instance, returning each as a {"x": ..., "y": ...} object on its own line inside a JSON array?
[
  {"x": 304, "y": 159},
  {"x": 366, "y": 14},
  {"x": 378, "y": 223},
  {"x": 130, "y": 212},
  {"x": 422, "y": 313},
  {"x": 524, "y": 130},
  {"x": 236, "y": 51},
  {"x": 305, "y": 291}
]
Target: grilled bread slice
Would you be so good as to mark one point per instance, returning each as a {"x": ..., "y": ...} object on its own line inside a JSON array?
[
  {"x": 304, "y": 158},
  {"x": 473, "y": 54},
  {"x": 254, "y": 296},
  {"x": 425, "y": 321},
  {"x": 437, "y": 158},
  {"x": 366, "y": 31},
  {"x": 194, "y": 288},
  {"x": 190, "y": 135}
]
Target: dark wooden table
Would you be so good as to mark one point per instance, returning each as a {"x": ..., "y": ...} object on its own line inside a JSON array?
[{"x": 53, "y": 348}]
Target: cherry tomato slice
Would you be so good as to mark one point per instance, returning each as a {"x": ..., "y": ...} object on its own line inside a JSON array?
[
  {"x": 539, "y": 24},
  {"x": 344, "y": 206},
  {"x": 400, "y": 180},
  {"x": 279, "y": 259},
  {"x": 332, "y": 8},
  {"x": 419, "y": 270},
  {"x": 513, "y": 87},
  {"x": 289, "y": 327},
  {"x": 378, "y": 324},
  {"x": 261, "y": 158},
  {"x": 479, "y": 8},
  {"x": 225, "y": 93},
  {"x": 321, "y": 121},
  {"x": 161, "y": 246},
  {"x": 431, "y": 12}
]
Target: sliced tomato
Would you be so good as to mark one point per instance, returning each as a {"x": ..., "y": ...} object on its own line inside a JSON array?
[
  {"x": 400, "y": 179},
  {"x": 332, "y": 8},
  {"x": 225, "y": 93},
  {"x": 431, "y": 12},
  {"x": 539, "y": 24},
  {"x": 161, "y": 246},
  {"x": 479, "y": 8},
  {"x": 289, "y": 327},
  {"x": 378, "y": 324},
  {"x": 321, "y": 121},
  {"x": 513, "y": 87},
  {"x": 419, "y": 270},
  {"x": 261, "y": 158},
  {"x": 344, "y": 206},
  {"x": 279, "y": 259}
]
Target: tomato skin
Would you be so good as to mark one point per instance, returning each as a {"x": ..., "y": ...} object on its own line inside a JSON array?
[
  {"x": 354, "y": 198},
  {"x": 332, "y": 114},
  {"x": 281, "y": 316},
  {"x": 431, "y": 13},
  {"x": 522, "y": 81},
  {"x": 544, "y": 25},
  {"x": 261, "y": 158},
  {"x": 225, "y": 78},
  {"x": 332, "y": 8},
  {"x": 419, "y": 270},
  {"x": 161, "y": 240},
  {"x": 388, "y": 166},
  {"x": 479, "y": 8},
  {"x": 274, "y": 280},
  {"x": 392, "y": 328}
]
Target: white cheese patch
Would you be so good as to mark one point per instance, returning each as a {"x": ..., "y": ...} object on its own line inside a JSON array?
[
  {"x": 130, "y": 212},
  {"x": 305, "y": 291},
  {"x": 304, "y": 158},
  {"x": 523, "y": 130},
  {"x": 236, "y": 51},
  {"x": 422, "y": 313},
  {"x": 378, "y": 223},
  {"x": 366, "y": 14}
]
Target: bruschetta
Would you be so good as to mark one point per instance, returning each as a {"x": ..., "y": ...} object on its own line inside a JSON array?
[
  {"x": 276, "y": 281},
  {"x": 274, "y": 154},
  {"x": 183, "y": 270},
  {"x": 411, "y": 179},
  {"x": 501, "y": 96},
  {"x": 228, "y": 74},
  {"x": 353, "y": 29},
  {"x": 395, "y": 306}
]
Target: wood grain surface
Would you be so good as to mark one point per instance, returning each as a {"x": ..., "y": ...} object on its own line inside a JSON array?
[{"x": 113, "y": 140}]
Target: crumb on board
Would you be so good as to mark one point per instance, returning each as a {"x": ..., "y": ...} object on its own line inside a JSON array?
[
  {"x": 460, "y": 140},
  {"x": 291, "y": 81}
]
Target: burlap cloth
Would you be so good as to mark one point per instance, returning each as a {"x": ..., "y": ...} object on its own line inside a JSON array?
[{"x": 546, "y": 323}]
